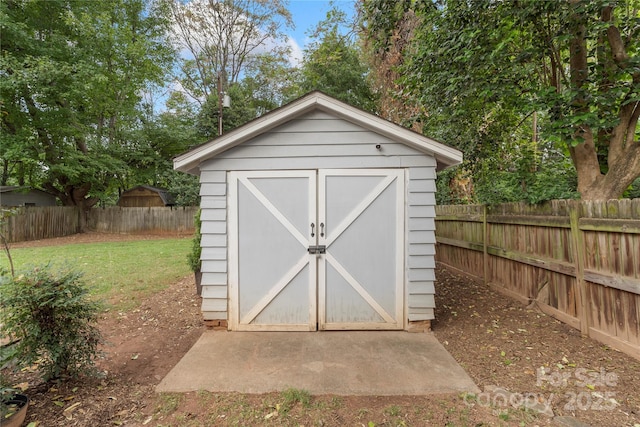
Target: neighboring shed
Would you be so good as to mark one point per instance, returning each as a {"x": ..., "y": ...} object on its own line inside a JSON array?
[
  {"x": 25, "y": 196},
  {"x": 145, "y": 196},
  {"x": 318, "y": 215}
]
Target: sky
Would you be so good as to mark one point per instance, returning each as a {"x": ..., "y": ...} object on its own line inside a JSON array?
[{"x": 306, "y": 14}]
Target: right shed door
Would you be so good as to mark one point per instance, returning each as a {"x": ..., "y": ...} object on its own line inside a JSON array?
[{"x": 361, "y": 273}]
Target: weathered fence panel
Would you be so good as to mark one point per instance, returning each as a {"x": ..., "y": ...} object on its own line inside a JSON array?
[
  {"x": 117, "y": 219},
  {"x": 577, "y": 261},
  {"x": 35, "y": 223},
  {"x": 460, "y": 234}
]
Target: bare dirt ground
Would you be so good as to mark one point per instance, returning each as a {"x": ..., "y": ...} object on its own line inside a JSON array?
[{"x": 498, "y": 341}]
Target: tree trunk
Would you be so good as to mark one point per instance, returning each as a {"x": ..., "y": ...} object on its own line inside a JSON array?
[
  {"x": 75, "y": 196},
  {"x": 623, "y": 152},
  {"x": 624, "y": 168}
]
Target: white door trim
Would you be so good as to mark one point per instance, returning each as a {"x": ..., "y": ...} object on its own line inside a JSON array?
[
  {"x": 392, "y": 177},
  {"x": 317, "y": 263},
  {"x": 359, "y": 289},
  {"x": 357, "y": 211},
  {"x": 243, "y": 177},
  {"x": 273, "y": 210},
  {"x": 275, "y": 290}
]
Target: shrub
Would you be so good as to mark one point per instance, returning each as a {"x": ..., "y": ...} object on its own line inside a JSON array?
[
  {"x": 193, "y": 257},
  {"x": 54, "y": 320}
]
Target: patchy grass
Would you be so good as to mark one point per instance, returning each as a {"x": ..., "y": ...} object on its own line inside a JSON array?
[
  {"x": 122, "y": 273},
  {"x": 295, "y": 408},
  {"x": 292, "y": 396}
]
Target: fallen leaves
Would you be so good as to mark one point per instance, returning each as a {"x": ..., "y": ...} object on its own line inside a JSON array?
[{"x": 68, "y": 411}]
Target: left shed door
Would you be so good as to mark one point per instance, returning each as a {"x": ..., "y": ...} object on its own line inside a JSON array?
[{"x": 270, "y": 217}]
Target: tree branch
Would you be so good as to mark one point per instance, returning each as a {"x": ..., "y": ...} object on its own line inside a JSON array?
[{"x": 618, "y": 48}]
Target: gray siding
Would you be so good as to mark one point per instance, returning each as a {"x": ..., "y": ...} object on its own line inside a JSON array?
[
  {"x": 421, "y": 243},
  {"x": 31, "y": 198},
  {"x": 321, "y": 141},
  {"x": 213, "y": 202},
  {"x": 318, "y": 141}
]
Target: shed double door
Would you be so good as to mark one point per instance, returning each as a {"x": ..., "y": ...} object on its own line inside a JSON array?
[{"x": 316, "y": 249}]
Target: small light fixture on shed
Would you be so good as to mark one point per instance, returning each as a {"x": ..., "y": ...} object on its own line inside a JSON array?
[{"x": 378, "y": 147}]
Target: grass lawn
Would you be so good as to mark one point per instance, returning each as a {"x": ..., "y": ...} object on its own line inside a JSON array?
[{"x": 120, "y": 273}]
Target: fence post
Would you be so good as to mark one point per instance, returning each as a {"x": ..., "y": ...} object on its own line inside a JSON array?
[
  {"x": 485, "y": 240},
  {"x": 577, "y": 241}
]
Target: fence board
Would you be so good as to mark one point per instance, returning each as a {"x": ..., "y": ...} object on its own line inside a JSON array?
[{"x": 579, "y": 261}]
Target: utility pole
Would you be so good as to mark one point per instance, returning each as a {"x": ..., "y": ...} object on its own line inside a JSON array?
[
  {"x": 219, "y": 103},
  {"x": 224, "y": 101}
]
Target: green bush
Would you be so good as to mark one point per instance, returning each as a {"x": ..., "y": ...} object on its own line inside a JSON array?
[
  {"x": 51, "y": 315},
  {"x": 193, "y": 257}
]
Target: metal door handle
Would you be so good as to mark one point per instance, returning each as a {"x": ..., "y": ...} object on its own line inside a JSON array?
[
  {"x": 322, "y": 229},
  {"x": 312, "y": 226}
]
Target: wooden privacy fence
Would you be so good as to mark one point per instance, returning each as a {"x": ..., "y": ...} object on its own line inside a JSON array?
[
  {"x": 577, "y": 261},
  {"x": 142, "y": 220},
  {"x": 35, "y": 223}
]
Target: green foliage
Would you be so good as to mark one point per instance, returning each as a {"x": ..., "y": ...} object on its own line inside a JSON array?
[
  {"x": 73, "y": 78},
  {"x": 54, "y": 319},
  {"x": 186, "y": 188},
  {"x": 241, "y": 111},
  {"x": 149, "y": 153},
  {"x": 268, "y": 82},
  {"x": 193, "y": 257},
  {"x": 332, "y": 64},
  {"x": 482, "y": 69},
  {"x": 528, "y": 177},
  {"x": 6, "y": 395},
  {"x": 633, "y": 192}
]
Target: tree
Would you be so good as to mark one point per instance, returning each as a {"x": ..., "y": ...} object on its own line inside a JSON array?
[
  {"x": 154, "y": 144},
  {"x": 72, "y": 77},
  {"x": 222, "y": 38},
  {"x": 332, "y": 63},
  {"x": 241, "y": 111},
  {"x": 266, "y": 85},
  {"x": 574, "y": 62},
  {"x": 386, "y": 30},
  {"x": 601, "y": 94}
]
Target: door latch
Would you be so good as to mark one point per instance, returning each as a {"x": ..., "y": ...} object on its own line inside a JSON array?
[{"x": 318, "y": 249}]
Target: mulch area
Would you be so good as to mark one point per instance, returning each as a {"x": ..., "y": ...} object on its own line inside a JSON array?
[{"x": 500, "y": 342}]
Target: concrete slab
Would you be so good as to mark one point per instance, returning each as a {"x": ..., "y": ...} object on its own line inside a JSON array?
[{"x": 377, "y": 363}]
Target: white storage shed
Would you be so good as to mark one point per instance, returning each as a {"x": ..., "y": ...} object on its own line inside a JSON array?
[{"x": 318, "y": 216}]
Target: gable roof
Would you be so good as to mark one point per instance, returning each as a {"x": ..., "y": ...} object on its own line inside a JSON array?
[
  {"x": 188, "y": 162},
  {"x": 21, "y": 189}
]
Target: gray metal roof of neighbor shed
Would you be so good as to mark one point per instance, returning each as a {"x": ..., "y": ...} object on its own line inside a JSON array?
[{"x": 445, "y": 156}]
